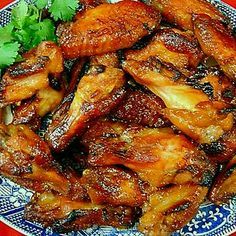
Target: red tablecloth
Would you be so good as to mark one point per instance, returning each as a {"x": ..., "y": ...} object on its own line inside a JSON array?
[{"x": 6, "y": 230}]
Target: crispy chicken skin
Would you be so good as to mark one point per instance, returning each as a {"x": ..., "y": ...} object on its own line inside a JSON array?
[
  {"x": 141, "y": 107},
  {"x": 27, "y": 160},
  {"x": 63, "y": 215},
  {"x": 113, "y": 186},
  {"x": 224, "y": 186},
  {"x": 97, "y": 93},
  {"x": 218, "y": 42},
  {"x": 107, "y": 28},
  {"x": 181, "y": 12},
  {"x": 188, "y": 108},
  {"x": 171, "y": 46},
  {"x": 146, "y": 151},
  {"x": 31, "y": 111},
  {"x": 169, "y": 209},
  {"x": 26, "y": 78}
]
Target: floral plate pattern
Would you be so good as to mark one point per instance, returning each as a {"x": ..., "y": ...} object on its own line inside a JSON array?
[{"x": 211, "y": 220}]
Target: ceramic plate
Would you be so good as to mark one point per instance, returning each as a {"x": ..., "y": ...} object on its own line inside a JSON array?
[{"x": 211, "y": 220}]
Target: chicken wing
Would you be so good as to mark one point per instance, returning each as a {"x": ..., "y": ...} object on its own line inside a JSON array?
[
  {"x": 26, "y": 78},
  {"x": 218, "y": 42},
  {"x": 27, "y": 160},
  {"x": 141, "y": 107},
  {"x": 224, "y": 186},
  {"x": 188, "y": 108},
  {"x": 63, "y": 215},
  {"x": 113, "y": 186},
  {"x": 171, "y": 46},
  {"x": 31, "y": 111},
  {"x": 170, "y": 209},
  {"x": 107, "y": 28},
  {"x": 159, "y": 156},
  {"x": 97, "y": 93},
  {"x": 181, "y": 12}
]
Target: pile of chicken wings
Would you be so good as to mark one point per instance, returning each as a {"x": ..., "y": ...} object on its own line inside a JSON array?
[{"x": 131, "y": 118}]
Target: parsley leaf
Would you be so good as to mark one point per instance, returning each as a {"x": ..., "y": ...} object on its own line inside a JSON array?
[
  {"x": 8, "y": 53},
  {"x": 63, "y": 10},
  {"x": 40, "y": 4},
  {"x": 6, "y": 34}
]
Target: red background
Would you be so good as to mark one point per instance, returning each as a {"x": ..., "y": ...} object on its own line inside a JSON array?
[{"x": 4, "y": 229}]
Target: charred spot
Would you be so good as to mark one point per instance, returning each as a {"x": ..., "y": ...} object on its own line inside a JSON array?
[
  {"x": 213, "y": 148},
  {"x": 121, "y": 152},
  {"x": 146, "y": 27},
  {"x": 207, "y": 178},
  {"x": 177, "y": 208},
  {"x": 23, "y": 68},
  {"x": 230, "y": 170},
  {"x": 228, "y": 93},
  {"x": 207, "y": 88},
  {"x": 110, "y": 135},
  {"x": 228, "y": 110},
  {"x": 59, "y": 225},
  {"x": 54, "y": 82}
]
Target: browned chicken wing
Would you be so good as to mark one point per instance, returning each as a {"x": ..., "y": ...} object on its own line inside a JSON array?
[
  {"x": 171, "y": 46},
  {"x": 107, "y": 28},
  {"x": 159, "y": 156},
  {"x": 188, "y": 108},
  {"x": 224, "y": 186},
  {"x": 97, "y": 93},
  {"x": 181, "y": 12},
  {"x": 62, "y": 214},
  {"x": 169, "y": 209},
  {"x": 218, "y": 42},
  {"x": 31, "y": 111},
  {"x": 27, "y": 160},
  {"x": 26, "y": 78},
  {"x": 113, "y": 186}
]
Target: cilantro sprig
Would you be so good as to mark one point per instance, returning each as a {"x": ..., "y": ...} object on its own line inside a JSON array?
[{"x": 27, "y": 28}]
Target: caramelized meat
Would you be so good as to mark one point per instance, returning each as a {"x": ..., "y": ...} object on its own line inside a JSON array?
[
  {"x": 113, "y": 186},
  {"x": 224, "y": 149},
  {"x": 32, "y": 110},
  {"x": 142, "y": 108},
  {"x": 218, "y": 42},
  {"x": 224, "y": 186},
  {"x": 26, "y": 78},
  {"x": 173, "y": 47},
  {"x": 107, "y": 28},
  {"x": 188, "y": 108},
  {"x": 169, "y": 209},
  {"x": 62, "y": 214},
  {"x": 108, "y": 60},
  {"x": 27, "y": 160},
  {"x": 159, "y": 156},
  {"x": 97, "y": 93},
  {"x": 181, "y": 12}
]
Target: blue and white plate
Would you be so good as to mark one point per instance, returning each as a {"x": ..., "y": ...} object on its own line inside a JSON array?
[{"x": 211, "y": 220}]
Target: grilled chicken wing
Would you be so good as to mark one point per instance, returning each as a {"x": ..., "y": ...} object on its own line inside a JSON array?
[
  {"x": 171, "y": 46},
  {"x": 181, "y": 12},
  {"x": 97, "y": 93},
  {"x": 113, "y": 186},
  {"x": 218, "y": 42},
  {"x": 62, "y": 214},
  {"x": 159, "y": 156},
  {"x": 26, "y": 78},
  {"x": 141, "y": 107},
  {"x": 169, "y": 209},
  {"x": 224, "y": 186},
  {"x": 27, "y": 160},
  {"x": 189, "y": 109},
  {"x": 31, "y": 111},
  {"x": 107, "y": 28}
]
